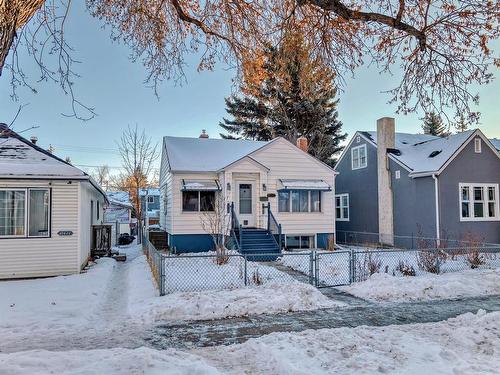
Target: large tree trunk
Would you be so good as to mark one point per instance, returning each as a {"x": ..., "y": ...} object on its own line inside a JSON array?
[{"x": 14, "y": 14}]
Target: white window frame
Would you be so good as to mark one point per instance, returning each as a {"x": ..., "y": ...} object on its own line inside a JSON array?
[
  {"x": 485, "y": 201},
  {"x": 477, "y": 145},
  {"x": 309, "y": 203},
  {"x": 342, "y": 206},
  {"x": 397, "y": 174},
  {"x": 358, "y": 149},
  {"x": 26, "y": 212}
]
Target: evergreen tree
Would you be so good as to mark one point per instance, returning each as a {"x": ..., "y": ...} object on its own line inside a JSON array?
[
  {"x": 461, "y": 124},
  {"x": 433, "y": 125},
  {"x": 287, "y": 93}
]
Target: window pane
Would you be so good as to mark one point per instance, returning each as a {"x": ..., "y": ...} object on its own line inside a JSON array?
[
  {"x": 478, "y": 193},
  {"x": 283, "y": 201},
  {"x": 478, "y": 210},
  {"x": 245, "y": 191},
  {"x": 345, "y": 211},
  {"x": 190, "y": 200},
  {"x": 39, "y": 213},
  {"x": 293, "y": 242},
  {"x": 491, "y": 194},
  {"x": 465, "y": 193},
  {"x": 315, "y": 201},
  {"x": 345, "y": 201},
  {"x": 491, "y": 209},
  {"x": 304, "y": 201},
  {"x": 306, "y": 242},
  {"x": 207, "y": 200},
  {"x": 338, "y": 211},
  {"x": 465, "y": 209},
  {"x": 12, "y": 213},
  {"x": 337, "y": 201},
  {"x": 295, "y": 201}
]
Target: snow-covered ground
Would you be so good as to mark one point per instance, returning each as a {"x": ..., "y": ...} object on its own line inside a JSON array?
[
  {"x": 388, "y": 288},
  {"x": 112, "y": 296},
  {"x": 468, "y": 344}
]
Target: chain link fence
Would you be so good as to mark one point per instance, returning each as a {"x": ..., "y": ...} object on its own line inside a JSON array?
[{"x": 210, "y": 271}]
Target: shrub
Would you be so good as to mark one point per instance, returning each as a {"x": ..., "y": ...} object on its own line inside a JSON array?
[
  {"x": 431, "y": 260},
  {"x": 406, "y": 269},
  {"x": 256, "y": 278},
  {"x": 367, "y": 265}
]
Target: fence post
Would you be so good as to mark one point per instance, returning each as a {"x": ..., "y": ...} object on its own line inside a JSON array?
[
  {"x": 353, "y": 266},
  {"x": 279, "y": 236},
  {"x": 438, "y": 262},
  {"x": 245, "y": 270},
  {"x": 316, "y": 269},
  {"x": 311, "y": 267},
  {"x": 162, "y": 276}
]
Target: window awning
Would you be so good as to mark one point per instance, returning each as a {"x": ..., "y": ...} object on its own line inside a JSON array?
[
  {"x": 305, "y": 185},
  {"x": 200, "y": 185}
]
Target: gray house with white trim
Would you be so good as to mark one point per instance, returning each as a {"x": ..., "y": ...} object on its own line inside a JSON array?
[{"x": 397, "y": 184}]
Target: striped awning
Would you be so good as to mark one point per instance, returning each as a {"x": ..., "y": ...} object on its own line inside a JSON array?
[
  {"x": 305, "y": 185},
  {"x": 200, "y": 185}
]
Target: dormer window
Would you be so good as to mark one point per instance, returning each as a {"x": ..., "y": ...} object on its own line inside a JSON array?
[
  {"x": 477, "y": 145},
  {"x": 358, "y": 157}
]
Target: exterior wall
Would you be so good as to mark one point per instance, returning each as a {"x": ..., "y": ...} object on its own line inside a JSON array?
[
  {"x": 361, "y": 185},
  {"x": 286, "y": 161},
  {"x": 88, "y": 194},
  {"x": 184, "y": 243},
  {"x": 56, "y": 255},
  {"x": 166, "y": 193},
  {"x": 414, "y": 206},
  {"x": 468, "y": 166}
]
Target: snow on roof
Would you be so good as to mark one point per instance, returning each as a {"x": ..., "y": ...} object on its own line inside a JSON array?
[
  {"x": 305, "y": 184},
  {"x": 119, "y": 196},
  {"x": 149, "y": 191},
  {"x": 206, "y": 155},
  {"x": 416, "y": 149},
  {"x": 21, "y": 158},
  {"x": 496, "y": 143}
]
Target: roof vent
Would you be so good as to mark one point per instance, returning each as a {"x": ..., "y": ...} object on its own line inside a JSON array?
[
  {"x": 394, "y": 151},
  {"x": 33, "y": 139},
  {"x": 435, "y": 153},
  {"x": 404, "y": 142},
  {"x": 203, "y": 134}
]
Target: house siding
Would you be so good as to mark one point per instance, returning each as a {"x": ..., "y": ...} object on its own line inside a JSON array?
[
  {"x": 414, "y": 207},
  {"x": 87, "y": 194},
  {"x": 361, "y": 185},
  {"x": 56, "y": 255},
  {"x": 468, "y": 166}
]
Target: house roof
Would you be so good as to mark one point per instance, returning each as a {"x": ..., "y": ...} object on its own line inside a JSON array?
[
  {"x": 495, "y": 142},
  {"x": 119, "y": 198},
  {"x": 206, "y": 155},
  {"x": 20, "y": 158},
  {"x": 423, "y": 153}
]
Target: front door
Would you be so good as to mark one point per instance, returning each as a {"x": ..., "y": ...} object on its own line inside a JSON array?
[{"x": 246, "y": 209}]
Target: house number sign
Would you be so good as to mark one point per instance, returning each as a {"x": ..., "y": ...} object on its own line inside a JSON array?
[{"x": 65, "y": 233}]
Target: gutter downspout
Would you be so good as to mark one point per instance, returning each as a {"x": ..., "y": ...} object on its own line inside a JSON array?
[{"x": 436, "y": 190}]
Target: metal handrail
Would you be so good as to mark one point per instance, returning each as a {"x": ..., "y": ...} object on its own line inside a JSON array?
[
  {"x": 272, "y": 219},
  {"x": 235, "y": 227}
]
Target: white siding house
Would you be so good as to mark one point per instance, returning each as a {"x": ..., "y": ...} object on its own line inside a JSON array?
[
  {"x": 47, "y": 208},
  {"x": 250, "y": 175}
]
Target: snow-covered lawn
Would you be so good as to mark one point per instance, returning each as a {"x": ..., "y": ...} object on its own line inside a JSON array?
[
  {"x": 45, "y": 304},
  {"x": 270, "y": 298},
  {"x": 199, "y": 271},
  {"x": 468, "y": 344},
  {"x": 469, "y": 283}
]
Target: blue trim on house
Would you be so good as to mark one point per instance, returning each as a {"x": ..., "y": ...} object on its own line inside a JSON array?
[
  {"x": 190, "y": 243},
  {"x": 322, "y": 240}
]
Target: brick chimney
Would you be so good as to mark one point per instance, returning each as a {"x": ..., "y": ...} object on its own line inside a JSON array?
[
  {"x": 203, "y": 134},
  {"x": 33, "y": 139},
  {"x": 385, "y": 139},
  {"x": 302, "y": 143}
]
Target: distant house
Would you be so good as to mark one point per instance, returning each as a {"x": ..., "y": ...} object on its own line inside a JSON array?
[
  {"x": 47, "y": 209},
  {"x": 397, "y": 184},
  {"x": 119, "y": 210},
  {"x": 248, "y": 175},
  {"x": 150, "y": 205}
]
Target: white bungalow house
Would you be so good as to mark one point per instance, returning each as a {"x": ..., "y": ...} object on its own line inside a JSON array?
[
  {"x": 47, "y": 208},
  {"x": 251, "y": 176}
]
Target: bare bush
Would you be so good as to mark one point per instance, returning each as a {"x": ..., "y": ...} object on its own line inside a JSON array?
[
  {"x": 367, "y": 266},
  {"x": 405, "y": 269},
  {"x": 473, "y": 243},
  {"x": 215, "y": 222},
  {"x": 256, "y": 277},
  {"x": 430, "y": 260}
]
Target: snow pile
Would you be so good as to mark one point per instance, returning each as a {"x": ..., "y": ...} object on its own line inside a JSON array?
[
  {"x": 468, "y": 344},
  {"x": 58, "y": 302},
  {"x": 107, "y": 361},
  {"x": 469, "y": 283},
  {"x": 144, "y": 305}
]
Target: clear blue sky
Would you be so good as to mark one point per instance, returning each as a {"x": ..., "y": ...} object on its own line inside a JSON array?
[{"x": 114, "y": 86}]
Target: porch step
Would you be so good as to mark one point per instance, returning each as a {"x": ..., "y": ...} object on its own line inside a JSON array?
[{"x": 256, "y": 244}]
